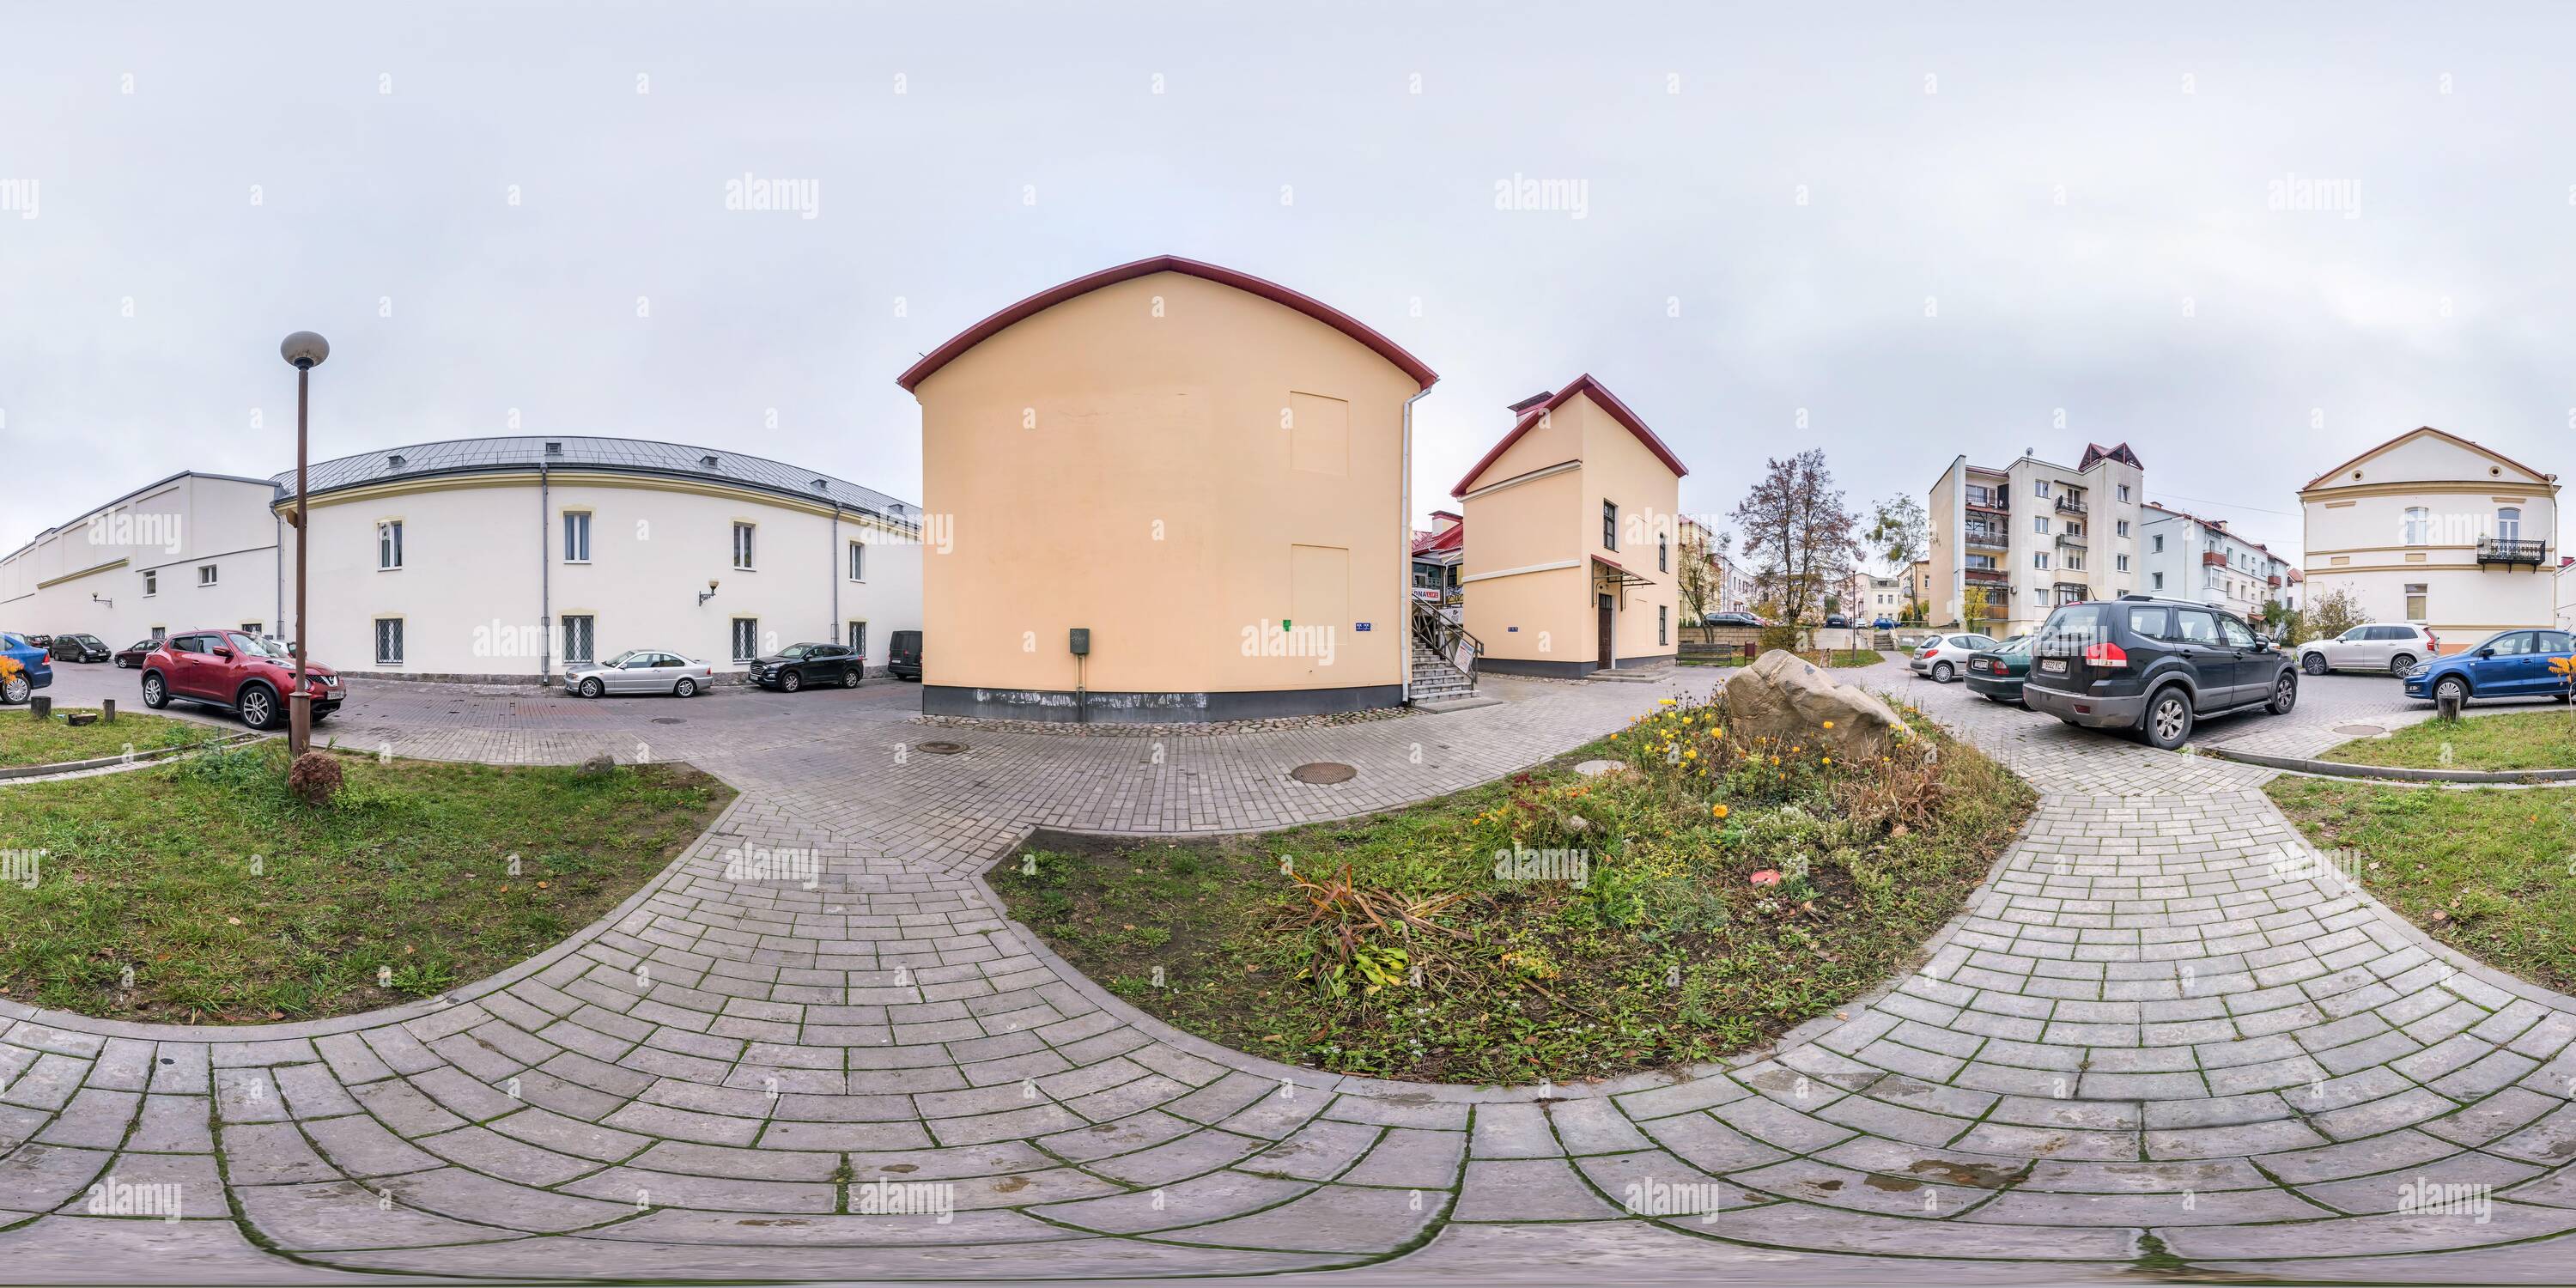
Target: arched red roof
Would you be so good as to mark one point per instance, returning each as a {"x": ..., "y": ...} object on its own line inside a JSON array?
[{"x": 1271, "y": 291}]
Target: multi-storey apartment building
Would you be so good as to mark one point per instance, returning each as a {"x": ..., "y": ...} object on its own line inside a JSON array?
[
  {"x": 2189, "y": 557},
  {"x": 2433, "y": 529},
  {"x": 2033, "y": 535}
]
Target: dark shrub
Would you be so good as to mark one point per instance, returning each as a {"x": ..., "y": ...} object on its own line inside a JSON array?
[{"x": 314, "y": 778}]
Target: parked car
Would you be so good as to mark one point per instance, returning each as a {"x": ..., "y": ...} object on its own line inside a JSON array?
[
  {"x": 1999, "y": 672},
  {"x": 1734, "y": 619},
  {"x": 1836, "y": 621},
  {"x": 1883, "y": 624},
  {"x": 33, "y": 670},
  {"x": 2392, "y": 647},
  {"x": 798, "y": 665},
  {"x": 2153, "y": 666},
  {"x": 40, "y": 641},
  {"x": 1943, "y": 656},
  {"x": 2508, "y": 664},
  {"x": 903, "y": 655},
  {"x": 131, "y": 656},
  {"x": 234, "y": 671},
  {"x": 79, "y": 648},
  {"x": 641, "y": 670}
]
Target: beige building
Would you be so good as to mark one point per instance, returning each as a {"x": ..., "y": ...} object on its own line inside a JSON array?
[
  {"x": 1176, "y": 492},
  {"x": 1575, "y": 517},
  {"x": 2034, "y": 535},
  {"x": 2433, "y": 529}
]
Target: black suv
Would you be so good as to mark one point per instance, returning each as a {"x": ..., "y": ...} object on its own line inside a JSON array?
[
  {"x": 798, "y": 665},
  {"x": 2154, "y": 666},
  {"x": 903, "y": 655}
]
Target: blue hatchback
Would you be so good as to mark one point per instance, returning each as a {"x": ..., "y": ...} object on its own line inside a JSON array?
[
  {"x": 2509, "y": 664},
  {"x": 37, "y": 670}
]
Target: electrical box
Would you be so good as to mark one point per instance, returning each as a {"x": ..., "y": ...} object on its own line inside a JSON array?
[{"x": 1081, "y": 641}]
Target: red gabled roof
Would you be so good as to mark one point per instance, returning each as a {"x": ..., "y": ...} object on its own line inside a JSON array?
[
  {"x": 1536, "y": 410},
  {"x": 1271, "y": 291},
  {"x": 1453, "y": 537}
]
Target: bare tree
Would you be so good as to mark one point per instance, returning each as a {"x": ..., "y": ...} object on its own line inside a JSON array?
[
  {"x": 1797, "y": 533},
  {"x": 1697, "y": 584}
]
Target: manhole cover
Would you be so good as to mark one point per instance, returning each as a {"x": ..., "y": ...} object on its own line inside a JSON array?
[
  {"x": 669, "y": 720},
  {"x": 2358, "y": 730},
  {"x": 940, "y": 748},
  {"x": 1323, "y": 771}
]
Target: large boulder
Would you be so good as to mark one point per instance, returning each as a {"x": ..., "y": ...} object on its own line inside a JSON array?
[{"x": 1786, "y": 696}]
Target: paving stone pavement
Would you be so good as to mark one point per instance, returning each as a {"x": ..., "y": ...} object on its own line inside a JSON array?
[{"x": 2158, "y": 1034}]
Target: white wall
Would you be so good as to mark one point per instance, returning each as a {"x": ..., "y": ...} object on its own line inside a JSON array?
[
  {"x": 169, "y": 528},
  {"x": 478, "y": 575},
  {"x": 2357, "y": 540}
]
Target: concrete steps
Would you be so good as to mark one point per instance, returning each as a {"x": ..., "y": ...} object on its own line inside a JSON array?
[{"x": 1435, "y": 681}]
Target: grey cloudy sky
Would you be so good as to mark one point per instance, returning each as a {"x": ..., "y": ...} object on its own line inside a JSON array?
[{"x": 2009, "y": 214}]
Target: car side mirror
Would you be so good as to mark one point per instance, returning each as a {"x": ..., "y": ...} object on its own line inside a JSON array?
[
  {"x": 223, "y": 652},
  {"x": 2486, "y": 652}
]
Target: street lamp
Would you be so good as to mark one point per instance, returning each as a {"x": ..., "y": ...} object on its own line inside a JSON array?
[{"x": 304, "y": 351}]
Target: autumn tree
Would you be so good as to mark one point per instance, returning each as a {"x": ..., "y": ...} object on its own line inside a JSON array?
[
  {"x": 1697, "y": 580},
  {"x": 1797, "y": 533},
  {"x": 2333, "y": 613}
]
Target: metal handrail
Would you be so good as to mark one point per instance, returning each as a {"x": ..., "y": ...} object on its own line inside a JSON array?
[
  {"x": 2500, "y": 550},
  {"x": 1449, "y": 640}
]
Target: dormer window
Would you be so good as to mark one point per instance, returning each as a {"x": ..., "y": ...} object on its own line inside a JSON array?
[
  {"x": 394, "y": 462},
  {"x": 554, "y": 449},
  {"x": 708, "y": 460}
]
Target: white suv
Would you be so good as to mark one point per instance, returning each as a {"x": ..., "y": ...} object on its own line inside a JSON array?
[
  {"x": 1945, "y": 657},
  {"x": 2388, "y": 647}
]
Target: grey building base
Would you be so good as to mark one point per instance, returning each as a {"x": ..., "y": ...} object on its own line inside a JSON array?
[
  {"x": 1562, "y": 670},
  {"x": 1096, "y": 707},
  {"x": 721, "y": 679}
]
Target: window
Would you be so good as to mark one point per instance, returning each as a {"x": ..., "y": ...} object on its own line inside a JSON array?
[
  {"x": 2074, "y": 562},
  {"x": 1609, "y": 526},
  {"x": 2154, "y": 623},
  {"x": 389, "y": 638},
  {"x": 1660, "y": 627},
  {"x": 206, "y": 574},
  {"x": 2039, "y": 559},
  {"x": 2039, "y": 488},
  {"x": 2122, "y": 527},
  {"x": 2510, "y": 644},
  {"x": 2415, "y": 598},
  {"x": 2419, "y": 525},
  {"x": 389, "y": 544},
  {"x": 859, "y": 640},
  {"x": 2156, "y": 581},
  {"x": 2555, "y": 642},
  {"x": 2124, "y": 491},
  {"x": 2234, "y": 632},
  {"x": 576, "y": 537},
  {"x": 578, "y": 634},
  {"x": 160, "y": 634},
  {"x": 1981, "y": 561},
  {"x": 858, "y": 561},
  {"x": 1663, "y": 554},
  {"x": 742, "y": 549},
  {"x": 2193, "y": 626},
  {"x": 2119, "y": 563},
  {"x": 2509, "y": 524},
  {"x": 2039, "y": 524},
  {"x": 746, "y": 634},
  {"x": 151, "y": 583},
  {"x": 2159, "y": 546}
]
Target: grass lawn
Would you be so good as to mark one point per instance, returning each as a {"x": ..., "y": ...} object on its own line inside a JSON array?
[
  {"x": 1665, "y": 951},
  {"x": 25, "y": 740},
  {"x": 232, "y": 902},
  {"x": 1838, "y": 658},
  {"x": 2539, "y": 739},
  {"x": 2490, "y": 871}
]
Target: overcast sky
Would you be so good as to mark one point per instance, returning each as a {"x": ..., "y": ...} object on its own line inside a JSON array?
[{"x": 1926, "y": 230}]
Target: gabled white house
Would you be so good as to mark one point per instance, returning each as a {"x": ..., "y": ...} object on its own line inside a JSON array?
[{"x": 2431, "y": 528}]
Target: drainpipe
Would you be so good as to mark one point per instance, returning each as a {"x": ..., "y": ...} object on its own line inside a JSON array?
[
  {"x": 277, "y": 524},
  {"x": 545, "y": 581},
  {"x": 1404, "y": 557},
  {"x": 832, "y": 569}
]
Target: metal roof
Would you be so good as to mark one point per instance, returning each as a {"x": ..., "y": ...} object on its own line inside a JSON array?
[{"x": 525, "y": 453}]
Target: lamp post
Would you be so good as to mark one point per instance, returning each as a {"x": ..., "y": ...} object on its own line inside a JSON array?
[{"x": 304, "y": 351}]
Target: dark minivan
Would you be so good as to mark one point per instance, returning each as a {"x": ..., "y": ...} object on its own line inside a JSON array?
[
  {"x": 2154, "y": 666},
  {"x": 903, "y": 655}
]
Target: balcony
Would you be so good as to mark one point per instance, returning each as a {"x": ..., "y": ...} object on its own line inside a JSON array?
[
  {"x": 2070, "y": 505},
  {"x": 2273, "y": 582},
  {"x": 1989, "y": 577},
  {"x": 2497, "y": 550},
  {"x": 2213, "y": 559},
  {"x": 1995, "y": 503},
  {"x": 2071, "y": 540},
  {"x": 1986, "y": 538}
]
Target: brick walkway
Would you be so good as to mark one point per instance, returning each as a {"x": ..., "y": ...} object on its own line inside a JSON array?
[{"x": 2152, "y": 1035}]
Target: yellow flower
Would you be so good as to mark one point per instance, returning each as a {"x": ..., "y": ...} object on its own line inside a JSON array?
[
  {"x": 1717, "y": 811},
  {"x": 1829, "y": 724},
  {"x": 1829, "y": 760}
]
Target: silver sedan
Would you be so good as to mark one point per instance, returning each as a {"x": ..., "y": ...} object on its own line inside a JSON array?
[{"x": 640, "y": 670}]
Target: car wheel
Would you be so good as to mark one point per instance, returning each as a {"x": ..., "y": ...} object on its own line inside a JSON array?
[
  {"x": 2167, "y": 724},
  {"x": 2453, "y": 688},
  {"x": 1942, "y": 671},
  {"x": 2285, "y": 694},
  {"x": 259, "y": 707},
  {"x": 2313, "y": 664},
  {"x": 591, "y": 688},
  {"x": 850, "y": 678},
  {"x": 18, "y": 688},
  {"x": 2401, "y": 664},
  {"x": 686, "y": 688},
  {"x": 156, "y": 695},
  {"x": 791, "y": 681}
]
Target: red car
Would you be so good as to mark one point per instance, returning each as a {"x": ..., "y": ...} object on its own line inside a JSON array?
[{"x": 235, "y": 671}]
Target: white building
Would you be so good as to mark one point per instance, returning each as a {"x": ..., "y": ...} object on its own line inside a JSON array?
[
  {"x": 2567, "y": 592},
  {"x": 506, "y": 558},
  {"x": 189, "y": 551},
  {"x": 1885, "y": 597},
  {"x": 2188, "y": 557},
  {"x": 2431, "y": 528},
  {"x": 2034, "y": 535}
]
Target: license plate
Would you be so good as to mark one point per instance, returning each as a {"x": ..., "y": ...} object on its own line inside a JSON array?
[{"x": 2053, "y": 666}]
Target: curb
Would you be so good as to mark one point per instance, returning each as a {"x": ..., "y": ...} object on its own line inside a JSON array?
[
  {"x": 138, "y": 758},
  {"x": 2386, "y": 773}
]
